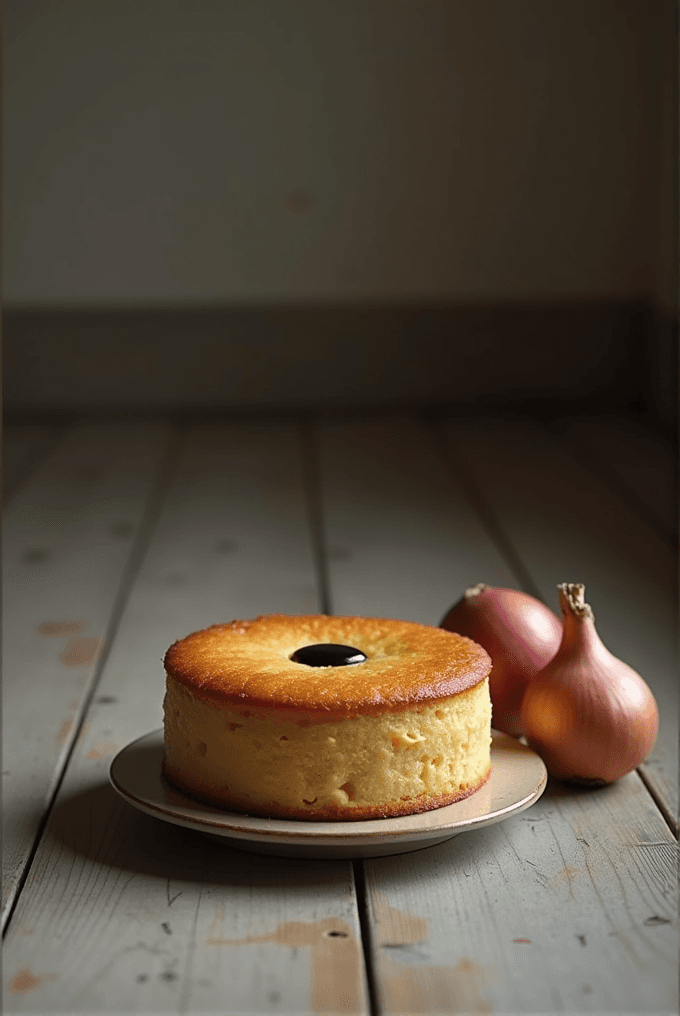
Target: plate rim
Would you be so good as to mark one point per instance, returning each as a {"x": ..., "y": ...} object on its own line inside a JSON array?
[{"x": 299, "y": 832}]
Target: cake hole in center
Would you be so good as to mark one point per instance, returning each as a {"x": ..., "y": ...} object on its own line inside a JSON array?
[{"x": 328, "y": 654}]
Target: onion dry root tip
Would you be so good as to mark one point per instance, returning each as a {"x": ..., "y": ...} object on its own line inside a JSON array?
[{"x": 572, "y": 600}]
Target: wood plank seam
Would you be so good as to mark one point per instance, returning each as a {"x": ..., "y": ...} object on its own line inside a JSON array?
[
  {"x": 367, "y": 944},
  {"x": 312, "y": 487},
  {"x": 672, "y": 821},
  {"x": 313, "y": 491},
  {"x": 140, "y": 543},
  {"x": 448, "y": 454},
  {"x": 10, "y": 490},
  {"x": 596, "y": 465}
]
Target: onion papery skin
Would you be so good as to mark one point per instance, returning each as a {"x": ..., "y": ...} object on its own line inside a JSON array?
[
  {"x": 590, "y": 716},
  {"x": 519, "y": 633}
]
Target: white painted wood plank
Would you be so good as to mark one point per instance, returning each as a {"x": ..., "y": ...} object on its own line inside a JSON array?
[
  {"x": 67, "y": 539},
  {"x": 567, "y": 525},
  {"x": 402, "y": 538},
  {"x": 122, "y": 913},
  {"x": 23, "y": 447},
  {"x": 571, "y": 907},
  {"x": 637, "y": 461}
]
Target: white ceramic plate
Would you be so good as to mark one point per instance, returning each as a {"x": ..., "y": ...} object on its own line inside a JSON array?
[{"x": 518, "y": 778}]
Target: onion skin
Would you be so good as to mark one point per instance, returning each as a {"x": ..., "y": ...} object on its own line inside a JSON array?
[
  {"x": 519, "y": 633},
  {"x": 590, "y": 717}
]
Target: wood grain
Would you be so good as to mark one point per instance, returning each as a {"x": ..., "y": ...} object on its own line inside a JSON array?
[
  {"x": 68, "y": 537},
  {"x": 124, "y": 913},
  {"x": 569, "y": 907}
]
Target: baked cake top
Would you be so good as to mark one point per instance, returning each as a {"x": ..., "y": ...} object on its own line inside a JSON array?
[{"x": 249, "y": 663}]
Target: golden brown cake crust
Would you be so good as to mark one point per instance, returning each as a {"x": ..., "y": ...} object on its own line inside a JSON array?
[{"x": 248, "y": 662}]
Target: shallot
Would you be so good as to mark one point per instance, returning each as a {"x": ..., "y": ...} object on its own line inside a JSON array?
[
  {"x": 519, "y": 633},
  {"x": 589, "y": 716}
]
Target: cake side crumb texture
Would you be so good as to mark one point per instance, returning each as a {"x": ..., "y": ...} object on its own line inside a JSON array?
[{"x": 264, "y": 762}]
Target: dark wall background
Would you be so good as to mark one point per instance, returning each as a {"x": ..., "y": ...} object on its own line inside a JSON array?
[{"x": 249, "y": 204}]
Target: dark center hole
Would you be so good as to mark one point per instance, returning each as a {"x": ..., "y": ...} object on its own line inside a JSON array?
[{"x": 328, "y": 654}]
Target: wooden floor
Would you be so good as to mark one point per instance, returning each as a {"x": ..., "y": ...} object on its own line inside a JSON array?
[{"x": 121, "y": 537}]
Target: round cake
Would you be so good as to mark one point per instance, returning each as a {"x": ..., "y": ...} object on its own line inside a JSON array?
[{"x": 325, "y": 718}]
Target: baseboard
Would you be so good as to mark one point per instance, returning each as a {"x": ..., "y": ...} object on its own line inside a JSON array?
[{"x": 306, "y": 358}]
